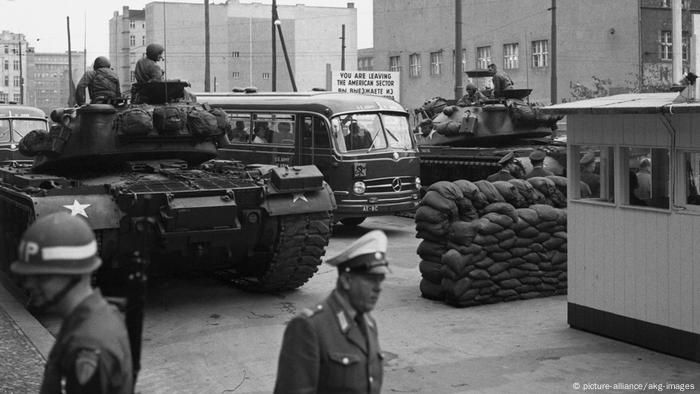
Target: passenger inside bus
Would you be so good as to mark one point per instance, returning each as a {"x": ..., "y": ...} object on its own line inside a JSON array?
[
  {"x": 358, "y": 138},
  {"x": 260, "y": 136},
  {"x": 238, "y": 133},
  {"x": 284, "y": 134},
  {"x": 263, "y": 132}
]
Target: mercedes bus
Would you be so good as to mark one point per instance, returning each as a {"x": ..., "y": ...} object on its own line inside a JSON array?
[{"x": 362, "y": 144}]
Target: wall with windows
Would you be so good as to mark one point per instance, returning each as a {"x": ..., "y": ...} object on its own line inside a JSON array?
[
  {"x": 632, "y": 249},
  {"x": 515, "y": 35}
]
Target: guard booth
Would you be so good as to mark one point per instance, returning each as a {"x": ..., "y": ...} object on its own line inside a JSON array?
[{"x": 634, "y": 240}]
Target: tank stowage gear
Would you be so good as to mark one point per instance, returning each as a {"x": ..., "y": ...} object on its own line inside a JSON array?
[{"x": 58, "y": 244}]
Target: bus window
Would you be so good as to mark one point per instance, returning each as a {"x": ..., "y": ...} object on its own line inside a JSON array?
[
  {"x": 321, "y": 133},
  {"x": 283, "y": 129},
  {"x": 397, "y": 130},
  {"x": 358, "y": 132},
  {"x": 240, "y": 126},
  {"x": 4, "y": 131}
]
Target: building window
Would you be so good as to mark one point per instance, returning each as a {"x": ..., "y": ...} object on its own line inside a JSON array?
[
  {"x": 510, "y": 56},
  {"x": 414, "y": 66},
  {"x": 265, "y": 75},
  {"x": 686, "y": 45},
  {"x": 235, "y": 54},
  {"x": 464, "y": 60},
  {"x": 596, "y": 173},
  {"x": 648, "y": 171},
  {"x": 691, "y": 162},
  {"x": 15, "y": 65},
  {"x": 665, "y": 44},
  {"x": 483, "y": 57},
  {"x": 235, "y": 75},
  {"x": 365, "y": 63},
  {"x": 15, "y": 81},
  {"x": 143, "y": 40},
  {"x": 395, "y": 63},
  {"x": 132, "y": 25},
  {"x": 7, "y": 50},
  {"x": 436, "y": 63},
  {"x": 540, "y": 53}
]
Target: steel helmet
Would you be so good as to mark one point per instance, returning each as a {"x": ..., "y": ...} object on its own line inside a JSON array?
[
  {"x": 153, "y": 51},
  {"x": 58, "y": 244}
]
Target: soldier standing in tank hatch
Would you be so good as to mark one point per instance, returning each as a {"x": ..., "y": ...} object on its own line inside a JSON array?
[
  {"x": 101, "y": 82},
  {"x": 57, "y": 256},
  {"x": 333, "y": 347},
  {"x": 147, "y": 68}
]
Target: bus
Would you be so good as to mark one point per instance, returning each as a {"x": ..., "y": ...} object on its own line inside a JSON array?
[
  {"x": 15, "y": 122},
  {"x": 362, "y": 144}
]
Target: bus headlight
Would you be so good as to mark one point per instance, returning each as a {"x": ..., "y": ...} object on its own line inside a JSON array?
[
  {"x": 418, "y": 183},
  {"x": 359, "y": 187}
]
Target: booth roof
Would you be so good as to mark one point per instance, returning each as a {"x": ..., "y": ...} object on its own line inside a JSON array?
[{"x": 627, "y": 104}]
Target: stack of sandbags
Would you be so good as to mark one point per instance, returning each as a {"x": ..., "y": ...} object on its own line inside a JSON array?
[
  {"x": 548, "y": 186},
  {"x": 438, "y": 208}
]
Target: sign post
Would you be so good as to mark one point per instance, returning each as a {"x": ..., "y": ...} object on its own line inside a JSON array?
[{"x": 376, "y": 83}]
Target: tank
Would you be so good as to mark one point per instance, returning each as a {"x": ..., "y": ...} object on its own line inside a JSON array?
[
  {"x": 466, "y": 141},
  {"x": 146, "y": 178}
]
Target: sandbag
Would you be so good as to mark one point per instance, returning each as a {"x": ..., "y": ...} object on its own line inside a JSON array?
[
  {"x": 497, "y": 268},
  {"x": 456, "y": 262},
  {"x": 488, "y": 227},
  {"x": 559, "y": 181},
  {"x": 426, "y": 213},
  {"x": 464, "y": 249},
  {"x": 462, "y": 233},
  {"x": 430, "y": 270},
  {"x": 501, "y": 207},
  {"x": 525, "y": 189},
  {"x": 489, "y": 190},
  {"x": 528, "y": 215},
  {"x": 472, "y": 192},
  {"x": 544, "y": 185},
  {"x": 501, "y": 219},
  {"x": 432, "y": 251},
  {"x": 447, "y": 189},
  {"x": 433, "y": 231},
  {"x": 510, "y": 194},
  {"x": 466, "y": 210},
  {"x": 430, "y": 290},
  {"x": 546, "y": 212},
  {"x": 437, "y": 201}
]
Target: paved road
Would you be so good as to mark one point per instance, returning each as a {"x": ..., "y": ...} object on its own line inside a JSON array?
[{"x": 203, "y": 336}]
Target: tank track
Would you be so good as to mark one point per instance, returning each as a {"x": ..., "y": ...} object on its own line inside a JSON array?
[{"x": 296, "y": 253}]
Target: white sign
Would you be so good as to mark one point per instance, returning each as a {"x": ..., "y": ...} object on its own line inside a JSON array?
[{"x": 376, "y": 83}]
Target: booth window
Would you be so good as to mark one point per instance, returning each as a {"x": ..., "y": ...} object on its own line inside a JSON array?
[
  {"x": 648, "y": 176},
  {"x": 596, "y": 173},
  {"x": 691, "y": 163}
]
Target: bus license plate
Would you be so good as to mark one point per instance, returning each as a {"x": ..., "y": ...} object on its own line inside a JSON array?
[{"x": 370, "y": 208}]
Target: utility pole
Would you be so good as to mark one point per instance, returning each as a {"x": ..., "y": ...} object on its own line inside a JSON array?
[
  {"x": 459, "y": 88},
  {"x": 342, "y": 49},
  {"x": 284, "y": 50},
  {"x": 553, "y": 70},
  {"x": 71, "y": 85},
  {"x": 677, "y": 41},
  {"x": 21, "y": 75},
  {"x": 207, "y": 87},
  {"x": 274, "y": 47}
]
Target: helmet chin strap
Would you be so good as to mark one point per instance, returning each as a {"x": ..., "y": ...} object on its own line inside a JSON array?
[{"x": 56, "y": 299}]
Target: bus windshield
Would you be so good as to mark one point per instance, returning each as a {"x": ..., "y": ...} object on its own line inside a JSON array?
[
  {"x": 368, "y": 132},
  {"x": 21, "y": 127}
]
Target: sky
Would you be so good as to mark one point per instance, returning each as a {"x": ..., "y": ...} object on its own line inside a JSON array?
[{"x": 43, "y": 22}]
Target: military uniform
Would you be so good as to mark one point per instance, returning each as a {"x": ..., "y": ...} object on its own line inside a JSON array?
[
  {"x": 91, "y": 353},
  {"x": 333, "y": 348},
  {"x": 501, "y": 175},
  {"x": 324, "y": 351}
]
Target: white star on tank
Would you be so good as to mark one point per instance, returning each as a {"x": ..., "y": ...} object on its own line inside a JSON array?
[{"x": 77, "y": 208}]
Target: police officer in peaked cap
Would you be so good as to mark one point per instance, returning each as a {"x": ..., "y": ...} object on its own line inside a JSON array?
[
  {"x": 57, "y": 256},
  {"x": 333, "y": 347},
  {"x": 508, "y": 167},
  {"x": 537, "y": 160}
]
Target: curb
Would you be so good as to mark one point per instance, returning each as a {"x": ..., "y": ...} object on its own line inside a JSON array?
[{"x": 28, "y": 325}]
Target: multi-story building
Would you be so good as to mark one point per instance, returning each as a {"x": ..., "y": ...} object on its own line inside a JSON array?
[
  {"x": 13, "y": 66},
  {"x": 240, "y": 42},
  {"x": 127, "y": 43},
  {"x": 516, "y": 36},
  {"x": 47, "y": 85}
]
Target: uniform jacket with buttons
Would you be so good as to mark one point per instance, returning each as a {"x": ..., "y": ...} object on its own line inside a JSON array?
[
  {"x": 324, "y": 351},
  {"x": 538, "y": 171},
  {"x": 94, "y": 327}
]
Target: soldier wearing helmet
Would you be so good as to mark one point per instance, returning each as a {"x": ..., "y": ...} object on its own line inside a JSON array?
[
  {"x": 147, "y": 68},
  {"x": 57, "y": 256}
]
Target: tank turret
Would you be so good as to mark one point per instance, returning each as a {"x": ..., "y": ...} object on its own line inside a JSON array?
[{"x": 108, "y": 135}]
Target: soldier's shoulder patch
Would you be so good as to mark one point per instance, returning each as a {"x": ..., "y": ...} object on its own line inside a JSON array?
[{"x": 86, "y": 362}]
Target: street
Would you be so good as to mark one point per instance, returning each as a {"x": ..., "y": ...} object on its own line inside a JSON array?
[{"x": 202, "y": 335}]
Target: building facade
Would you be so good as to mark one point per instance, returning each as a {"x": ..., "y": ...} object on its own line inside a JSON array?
[
  {"x": 13, "y": 66},
  {"x": 240, "y": 43},
  {"x": 516, "y": 36},
  {"x": 47, "y": 82}
]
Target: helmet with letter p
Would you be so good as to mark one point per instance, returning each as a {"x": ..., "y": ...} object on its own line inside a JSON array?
[{"x": 57, "y": 244}]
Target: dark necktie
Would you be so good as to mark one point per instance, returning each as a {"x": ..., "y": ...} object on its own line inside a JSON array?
[{"x": 362, "y": 323}]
